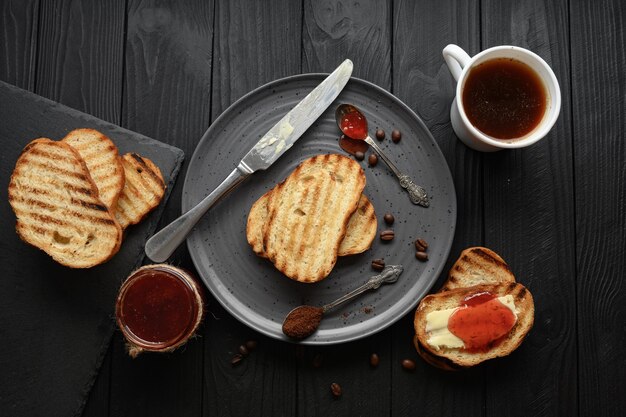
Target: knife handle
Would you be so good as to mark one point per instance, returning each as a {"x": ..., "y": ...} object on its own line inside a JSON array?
[{"x": 161, "y": 246}]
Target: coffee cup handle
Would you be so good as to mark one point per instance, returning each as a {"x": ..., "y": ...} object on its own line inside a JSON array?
[{"x": 456, "y": 58}]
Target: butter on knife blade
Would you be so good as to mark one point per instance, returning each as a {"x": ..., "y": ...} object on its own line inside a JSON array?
[{"x": 263, "y": 154}]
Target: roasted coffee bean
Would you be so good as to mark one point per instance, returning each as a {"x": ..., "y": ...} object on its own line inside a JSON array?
[
  {"x": 389, "y": 219},
  {"x": 422, "y": 256},
  {"x": 251, "y": 345},
  {"x": 359, "y": 155},
  {"x": 374, "y": 360},
  {"x": 372, "y": 159},
  {"x": 378, "y": 264},
  {"x": 243, "y": 350},
  {"x": 408, "y": 364},
  {"x": 318, "y": 360},
  {"x": 387, "y": 235},
  {"x": 335, "y": 388},
  {"x": 380, "y": 134},
  {"x": 419, "y": 245},
  {"x": 236, "y": 359},
  {"x": 396, "y": 135}
]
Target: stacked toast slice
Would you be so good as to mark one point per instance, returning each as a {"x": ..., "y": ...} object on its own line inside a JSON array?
[
  {"x": 315, "y": 215},
  {"x": 478, "y": 271},
  {"x": 360, "y": 231},
  {"x": 73, "y": 197}
]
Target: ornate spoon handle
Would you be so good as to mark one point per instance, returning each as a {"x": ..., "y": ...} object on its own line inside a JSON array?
[
  {"x": 417, "y": 194},
  {"x": 389, "y": 275}
]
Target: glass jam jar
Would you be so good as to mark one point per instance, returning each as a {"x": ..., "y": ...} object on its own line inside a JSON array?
[{"x": 159, "y": 307}]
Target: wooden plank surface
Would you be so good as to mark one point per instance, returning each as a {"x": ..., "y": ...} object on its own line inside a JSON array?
[
  {"x": 332, "y": 32},
  {"x": 18, "y": 42},
  {"x": 167, "y": 69},
  {"x": 255, "y": 42},
  {"x": 360, "y": 31},
  {"x": 599, "y": 122},
  {"x": 422, "y": 80},
  {"x": 529, "y": 219},
  {"x": 80, "y": 55},
  {"x": 167, "y": 91}
]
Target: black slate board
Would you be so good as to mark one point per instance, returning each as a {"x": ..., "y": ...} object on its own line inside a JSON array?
[{"x": 56, "y": 322}]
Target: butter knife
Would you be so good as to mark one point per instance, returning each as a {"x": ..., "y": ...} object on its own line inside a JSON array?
[{"x": 268, "y": 149}]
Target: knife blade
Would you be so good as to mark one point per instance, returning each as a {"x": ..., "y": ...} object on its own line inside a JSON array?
[
  {"x": 278, "y": 140},
  {"x": 287, "y": 130}
]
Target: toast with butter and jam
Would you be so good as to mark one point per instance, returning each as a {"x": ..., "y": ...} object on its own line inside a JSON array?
[
  {"x": 468, "y": 326},
  {"x": 481, "y": 313}
]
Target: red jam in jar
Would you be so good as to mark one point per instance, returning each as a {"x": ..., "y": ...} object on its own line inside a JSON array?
[
  {"x": 481, "y": 322},
  {"x": 159, "y": 307}
]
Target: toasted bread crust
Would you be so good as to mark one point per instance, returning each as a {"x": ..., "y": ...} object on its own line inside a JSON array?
[
  {"x": 256, "y": 220},
  {"x": 57, "y": 206},
  {"x": 309, "y": 214},
  {"x": 436, "y": 361},
  {"x": 449, "y": 299},
  {"x": 478, "y": 265},
  {"x": 360, "y": 232},
  {"x": 101, "y": 157},
  {"x": 361, "y": 229},
  {"x": 143, "y": 190}
]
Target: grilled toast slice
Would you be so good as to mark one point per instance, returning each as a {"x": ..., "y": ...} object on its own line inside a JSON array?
[
  {"x": 436, "y": 361},
  {"x": 361, "y": 229},
  {"x": 478, "y": 265},
  {"x": 256, "y": 221},
  {"x": 360, "y": 232},
  {"x": 57, "y": 206},
  {"x": 143, "y": 190},
  {"x": 308, "y": 216},
  {"x": 101, "y": 157},
  {"x": 458, "y": 357}
]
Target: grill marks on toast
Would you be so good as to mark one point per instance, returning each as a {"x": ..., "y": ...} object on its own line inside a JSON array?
[
  {"x": 57, "y": 206},
  {"x": 101, "y": 157},
  {"x": 360, "y": 232},
  {"x": 64, "y": 187},
  {"x": 309, "y": 213},
  {"x": 478, "y": 265},
  {"x": 361, "y": 229},
  {"x": 143, "y": 190}
]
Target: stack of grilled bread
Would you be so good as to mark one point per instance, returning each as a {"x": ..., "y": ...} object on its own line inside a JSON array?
[
  {"x": 479, "y": 272},
  {"x": 315, "y": 215},
  {"x": 74, "y": 197}
]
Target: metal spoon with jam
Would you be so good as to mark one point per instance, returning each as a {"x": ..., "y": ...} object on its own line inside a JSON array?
[{"x": 353, "y": 124}]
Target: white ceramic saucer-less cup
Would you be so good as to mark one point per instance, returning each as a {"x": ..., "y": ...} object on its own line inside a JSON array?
[{"x": 460, "y": 64}]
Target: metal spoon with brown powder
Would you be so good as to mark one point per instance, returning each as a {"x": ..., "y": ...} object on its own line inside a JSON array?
[{"x": 303, "y": 321}]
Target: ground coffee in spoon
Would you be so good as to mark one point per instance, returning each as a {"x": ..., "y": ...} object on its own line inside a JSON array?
[{"x": 303, "y": 321}]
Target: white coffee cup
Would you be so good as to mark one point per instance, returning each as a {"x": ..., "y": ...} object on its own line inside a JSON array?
[{"x": 460, "y": 64}]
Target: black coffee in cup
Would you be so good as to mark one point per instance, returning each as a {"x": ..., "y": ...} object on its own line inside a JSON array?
[{"x": 504, "y": 98}]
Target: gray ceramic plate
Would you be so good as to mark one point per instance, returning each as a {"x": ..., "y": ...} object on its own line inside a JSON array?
[{"x": 250, "y": 288}]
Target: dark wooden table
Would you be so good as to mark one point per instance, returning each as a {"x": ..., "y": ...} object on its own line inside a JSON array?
[{"x": 554, "y": 211}]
